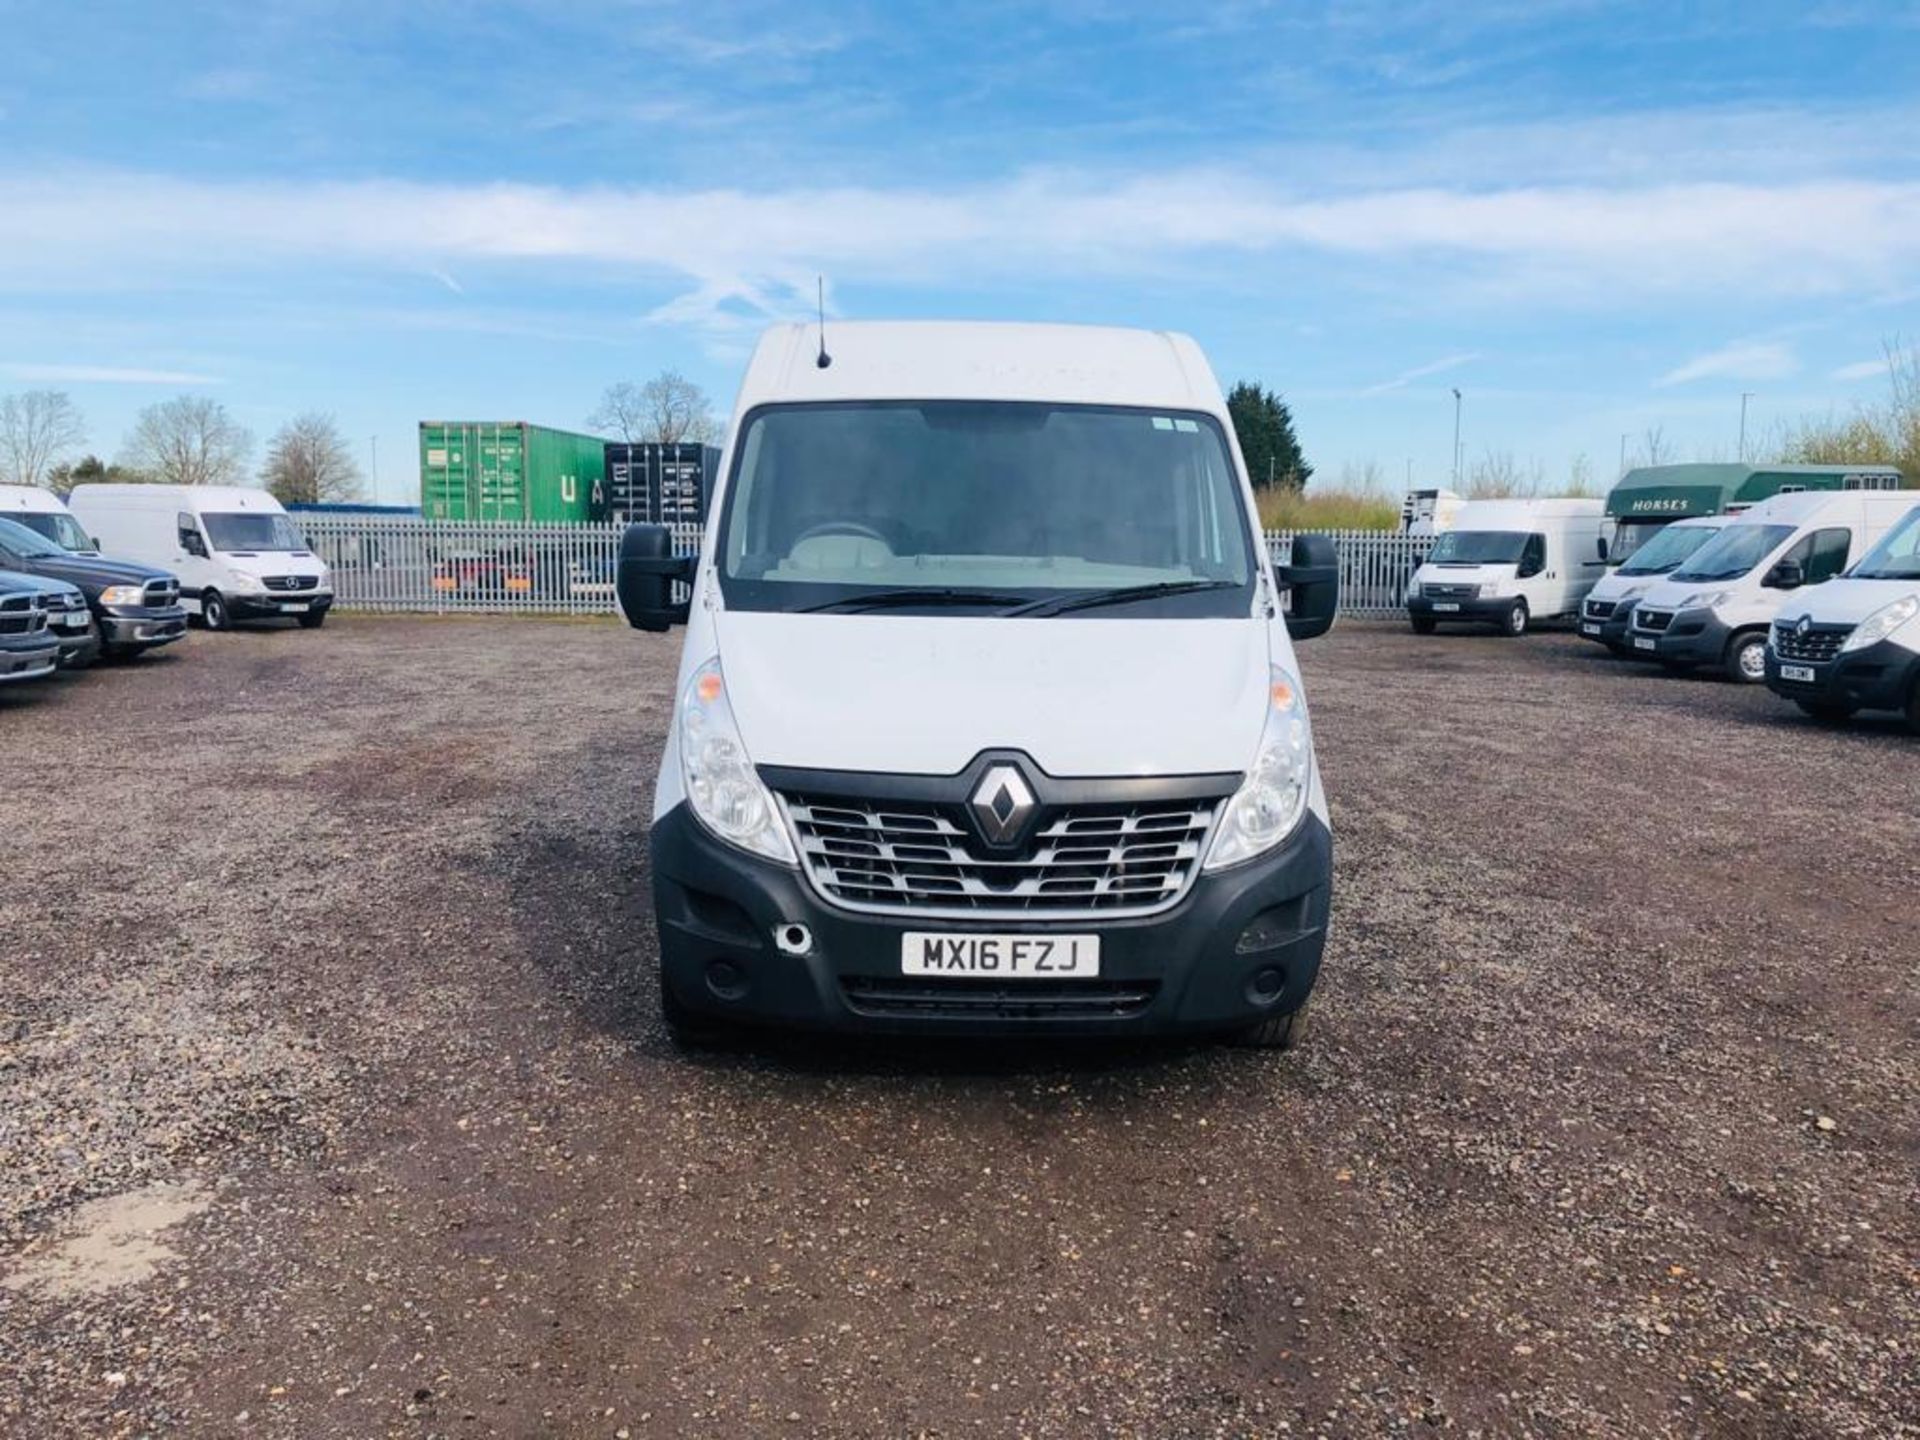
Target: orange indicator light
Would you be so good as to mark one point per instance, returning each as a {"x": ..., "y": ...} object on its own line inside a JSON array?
[{"x": 708, "y": 688}]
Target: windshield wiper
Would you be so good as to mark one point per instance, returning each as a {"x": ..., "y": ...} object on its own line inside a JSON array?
[
  {"x": 1120, "y": 596},
  {"x": 891, "y": 599}
]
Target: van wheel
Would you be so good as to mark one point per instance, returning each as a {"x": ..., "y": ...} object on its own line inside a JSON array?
[
  {"x": 1828, "y": 712},
  {"x": 1747, "y": 658},
  {"x": 1276, "y": 1032},
  {"x": 313, "y": 620},
  {"x": 1424, "y": 625},
  {"x": 1514, "y": 622},
  {"x": 213, "y": 611},
  {"x": 688, "y": 1029}
]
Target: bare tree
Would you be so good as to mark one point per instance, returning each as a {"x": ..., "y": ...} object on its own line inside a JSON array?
[
  {"x": 36, "y": 429},
  {"x": 669, "y": 408},
  {"x": 1653, "y": 446},
  {"x": 310, "y": 463},
  {"x": 189, "y": 440},
  {"x": 1498, "y": 476}
]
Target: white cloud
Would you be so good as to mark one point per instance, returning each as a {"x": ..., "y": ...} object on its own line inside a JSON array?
[
  {"x": 1420, "y": 372},
  {"x": 1862, "y": 370},
  {"x": 1742, "y": 360},
  {"x": 104, "y": 375}
]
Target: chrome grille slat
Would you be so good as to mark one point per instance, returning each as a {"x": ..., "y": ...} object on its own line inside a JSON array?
[{"x": 1817, "y": 646}]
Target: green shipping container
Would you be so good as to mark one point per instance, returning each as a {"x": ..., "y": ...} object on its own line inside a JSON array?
[{"x": 508, "y": 470}]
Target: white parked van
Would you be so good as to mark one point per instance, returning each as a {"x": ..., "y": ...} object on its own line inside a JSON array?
[
  {"x": 236, "y": 551},
  {"x": 1715, "y": 609},
  {"x": 988, "y": 715},
  {"x": 1854, "y": 642},
  {"x": 1608, "y": 609},
  {"x": 1508, "y": 563},
  {"x": 42, "y": 511}
]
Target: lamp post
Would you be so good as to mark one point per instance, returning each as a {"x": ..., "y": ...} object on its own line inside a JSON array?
[
  {"x": 1456, "y": 438},
  {"x": 1745, "y": 396}
]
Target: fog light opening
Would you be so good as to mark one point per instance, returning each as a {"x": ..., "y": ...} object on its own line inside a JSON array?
[
  {"x": 1266, "y": 985},
  {"x": 792, "y": 938},
  {"x": 725, "y": 980}
]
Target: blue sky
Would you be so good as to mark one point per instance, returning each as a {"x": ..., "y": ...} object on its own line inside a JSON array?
[{"x": 1593, "y": 219}]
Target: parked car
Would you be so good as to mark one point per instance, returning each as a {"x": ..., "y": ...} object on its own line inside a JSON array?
[
  {"x": 69, "y": 621},
  {"x": 1854, "y": 643},
  {"x": 1608, "y": 608},
  {"x": 989, "y": 721},
  {"x": 238, "y": 554},
  {"x": 1509, "y": 564},
  {"x": 135, "y": 607},
  {"x": 28, "y": 651},
  {"x": 42, "y": 510},
  {"x": 1716, "y": 608}
]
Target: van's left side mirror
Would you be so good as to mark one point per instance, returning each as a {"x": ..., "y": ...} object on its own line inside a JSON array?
[
  {"x": 1312, "y": 576},
  {"x": 1787, "y": 575},
  {"x": 643, "y": 585}
]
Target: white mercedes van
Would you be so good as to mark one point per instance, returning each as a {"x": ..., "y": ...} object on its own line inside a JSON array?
[
  {"x": 236, "y": 550},
  {"x": 1854, "y": 643},
  {"x": 988, "y": 719},
  {"x": 1508, "y": 563},
  {"x": 1717, "y": 607}
]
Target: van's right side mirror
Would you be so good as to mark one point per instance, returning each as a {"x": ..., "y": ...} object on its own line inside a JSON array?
[
  {"x": 1312, "y": 577},
  {"x": 643, "y": 584}
]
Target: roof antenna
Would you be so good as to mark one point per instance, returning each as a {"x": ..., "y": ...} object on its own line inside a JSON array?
[{"x": 823, "y": 360}]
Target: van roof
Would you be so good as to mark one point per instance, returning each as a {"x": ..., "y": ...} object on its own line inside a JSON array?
[
  {"x": 976, "y": 360},
  {"x": 30, "y": 498},
  {"x": 192, "y": 497},
  {"x": 1524, "y": 509},
  {"x": 1805, "y": 507}
]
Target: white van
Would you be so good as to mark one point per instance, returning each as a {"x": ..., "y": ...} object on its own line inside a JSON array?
[
  {"x": 1608, "y": 609},
  {"x": 41, "y": 511},
  {"x": 236, "y": 551},
  {"x": 1508, "y": 563},
  {"x": 988, "y": 715},
  {"x": 1715, "y": 609},
  {"x": 1854, "y": 643}
]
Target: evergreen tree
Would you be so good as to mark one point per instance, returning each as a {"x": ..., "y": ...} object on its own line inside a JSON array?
[{"x": 1265, "y": 426}]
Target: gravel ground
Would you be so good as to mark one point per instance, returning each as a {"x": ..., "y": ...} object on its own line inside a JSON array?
[{"x": 333, "y": 1100}]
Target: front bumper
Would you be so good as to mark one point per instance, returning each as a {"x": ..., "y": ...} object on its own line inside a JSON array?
[
  {"x": 77, "y": 647},
  {"x": 1875, "y": 677},
  {"x": 141, "y": 627},
  {"x": 1609, "y": 630},
  {"x": 28, "y": 657},
  {"x": 274, "y": 605},
  {"x": 1201, "y": 967},
  {"x": 1478, "y": 612},
  {"x": 1694, "y": 637}
]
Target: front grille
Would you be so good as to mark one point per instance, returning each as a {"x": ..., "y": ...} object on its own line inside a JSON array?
[
  {"x": 895, "y": 997},
  {"x": 1601, "y": 609},
  {"x": 1652, "y": 619},
  {"x": 1450, "y": 592},
  {"x": 290, "y": 582},
  {"x": 1817, "y": 646},
  {"x": 19, "y": 615},
  {"x": 158, "y": 594},
  {"x": 918, "y": 856}
]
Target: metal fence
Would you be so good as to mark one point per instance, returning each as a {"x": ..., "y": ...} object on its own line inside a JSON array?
[{"x": 404, "y": 563}]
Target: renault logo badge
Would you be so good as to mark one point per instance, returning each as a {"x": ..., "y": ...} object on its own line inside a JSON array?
[
  {"x": 1001, "y": 803},
  {"x": 1806, "y": 624}
]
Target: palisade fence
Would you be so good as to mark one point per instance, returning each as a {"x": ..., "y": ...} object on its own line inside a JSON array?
[{"x": 402, "y": 563}]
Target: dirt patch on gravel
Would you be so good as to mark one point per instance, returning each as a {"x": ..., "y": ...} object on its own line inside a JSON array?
[{"x": 1609, "y": 1124}]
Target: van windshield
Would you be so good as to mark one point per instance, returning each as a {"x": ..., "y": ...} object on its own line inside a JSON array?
[
  {"x": 1667, "y": 550},
  {"x": 1478, "y": 547},
  {"x": 27, "y": 544},
  {"x": 251, "y": 530},
  {"x": 1896, "y": 557},
  {"x": 58, "y": 527},
  {"x": 969, "y": 507},
  {"x": 1734, "y": 551}
]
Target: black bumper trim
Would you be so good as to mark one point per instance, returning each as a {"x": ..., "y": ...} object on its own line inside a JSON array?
[
  {"x": 1880, "y": 676},
  {"x": 258, "y": 607},
  {"x": 1478, "y": 612}
]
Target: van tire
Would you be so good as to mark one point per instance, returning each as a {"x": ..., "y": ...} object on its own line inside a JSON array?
[
  {"x": 1827, "y": 712},
  {"x": 1276, "y": 1032},
  {"x": 313, "y": 619},
  {"x": 1424, "y": 625},
  {"x": 1514, "y": 623},
  {"x": 1746, "y": 662},
  {"x": 213, "y": 611},
  {"x": 686, "y": 1028}
]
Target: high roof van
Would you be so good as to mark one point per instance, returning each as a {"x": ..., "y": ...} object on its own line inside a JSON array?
[
  {"x": 1509, "y": 563},
  {"x": 1715, "y": 609},
  {"x": 988, "y": 719},
  {"x": 237, "y": 552}
]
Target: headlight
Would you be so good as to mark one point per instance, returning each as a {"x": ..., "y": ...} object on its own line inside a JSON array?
[
  {"x": 1882, "y": 623},
  {"x": 722, "y": 788},
  {"x": 1490, "y": 590},
  {"x": 1703, "y": 600},
  {"x": 123, "y": 595},
  {"x": 1270, "y": 801},
  {"x": 244, "y": 581}
]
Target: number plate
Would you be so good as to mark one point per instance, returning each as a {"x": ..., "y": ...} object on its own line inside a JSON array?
[
  {"x": 1589, "y": 629},
  {"x": 1797, "y": 672},
  {"x": 1640, "y": 642},
  {"x": 1446, "y": 605},
  {"x": 293, "y": 609},
  {"x": 1000, "y": 957}
]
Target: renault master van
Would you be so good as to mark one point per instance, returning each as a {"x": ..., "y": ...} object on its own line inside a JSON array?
[
  {"x": 1509, "y": 563},
  {"x": 1716, "y": 608},
  {"x": 42, "y": 510},
  {"x": 1608, "y": 608},
  {"x": 987, "y": 718},
  {"x": 238, "y": 554},
  {"x": 1854, "y": 643}
]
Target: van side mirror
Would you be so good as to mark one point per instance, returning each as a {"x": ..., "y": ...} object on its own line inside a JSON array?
[
  {"x": 1787, "y": 575},
  {"x": 191, "y": 542},
  {"x": 1600, "y": 545},
  {"x": 643, "y": 584},
  {"x": 1530, "y": 567},
  {"x": 1312, "y": 578}
]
